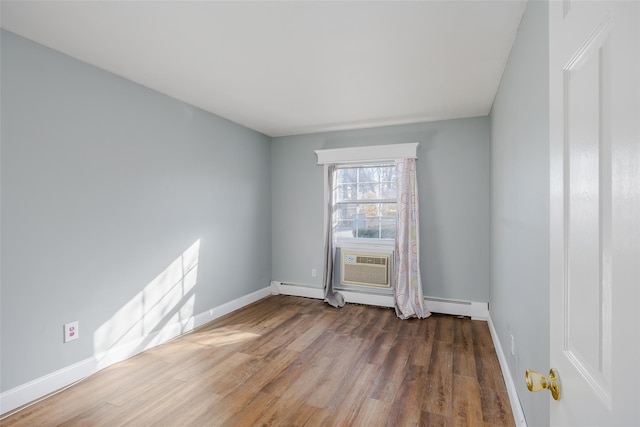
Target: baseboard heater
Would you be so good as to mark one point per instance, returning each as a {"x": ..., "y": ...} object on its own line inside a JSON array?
[{"x": 473, "y": 309}]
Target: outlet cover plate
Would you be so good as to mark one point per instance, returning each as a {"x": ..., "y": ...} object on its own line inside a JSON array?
[{"x": 71, "y": 331}]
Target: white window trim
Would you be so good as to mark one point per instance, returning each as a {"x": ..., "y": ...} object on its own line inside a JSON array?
[{"x": 371, "y": 153}]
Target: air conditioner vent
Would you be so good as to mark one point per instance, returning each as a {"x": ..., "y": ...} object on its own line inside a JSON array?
[
  {"x": 371, "y": 260},
  {"x": 365, "y": 269}
]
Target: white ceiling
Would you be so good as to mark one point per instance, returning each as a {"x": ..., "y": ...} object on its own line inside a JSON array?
[{"x": 285, "y": 68}]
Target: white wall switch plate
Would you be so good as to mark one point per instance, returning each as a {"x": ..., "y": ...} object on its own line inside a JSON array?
[{"x": 71, "y": 331}]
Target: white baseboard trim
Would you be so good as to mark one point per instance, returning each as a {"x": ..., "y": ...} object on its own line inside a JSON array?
[
  {"x": 475, "y": 310},
  {"x": 34, "y": 390},
  {"x": 226, "y": 308},
  {"x": 514, "y": 400},
  {"x": 45, "y": 385}
]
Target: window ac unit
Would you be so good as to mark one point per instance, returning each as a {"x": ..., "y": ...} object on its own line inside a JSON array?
[{"x": 365, "y": 269}]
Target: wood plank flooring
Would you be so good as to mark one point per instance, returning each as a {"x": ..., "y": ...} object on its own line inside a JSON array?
[{"x": 290, "y": 361}]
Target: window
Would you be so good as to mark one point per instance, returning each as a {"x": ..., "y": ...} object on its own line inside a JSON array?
[{"x": 365, "y": 201}]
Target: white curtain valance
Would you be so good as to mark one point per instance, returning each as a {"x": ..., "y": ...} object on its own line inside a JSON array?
[{"x": 369, "y": 153}]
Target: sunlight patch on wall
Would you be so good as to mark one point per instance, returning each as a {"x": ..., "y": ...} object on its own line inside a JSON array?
[{"x": 160, "y": 311}]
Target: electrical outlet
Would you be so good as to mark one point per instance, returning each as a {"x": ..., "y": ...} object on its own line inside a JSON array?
[
  {"x": 71, "y": 331},
  {"x": 513, "y": 346},
  {"x": 314, "y": 272}
]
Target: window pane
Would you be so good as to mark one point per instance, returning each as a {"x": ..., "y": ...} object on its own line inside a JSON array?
[
  {"x": 344, "y": 229},
  {"x": 346, "y": 192},
  {"x": 369, "y": 228},
  {"x": 346, "y": 211},
  {"x": 366, "y": 175},
  {"x": 388, "y": 210},
  {"x": 388, "y": 190},
  {"x": 368, "y": 233},
  {"x": 368, "y": 191},
  {"x": 388, "y": 229},
  {"x": 346, "y": 176},
  {"x": 376, "y": 229},
  {"x": 370, "y": 210}
]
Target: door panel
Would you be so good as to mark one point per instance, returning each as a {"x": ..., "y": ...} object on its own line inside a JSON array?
[
  {"x": 595, "y": 211},
  {"x": 587, "y": 183}
]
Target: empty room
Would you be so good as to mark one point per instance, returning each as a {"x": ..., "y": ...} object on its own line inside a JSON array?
[{"x": 320, "y": 213}]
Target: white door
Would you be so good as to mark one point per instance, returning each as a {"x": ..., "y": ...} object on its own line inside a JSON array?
[{"x": 595, "y": 211}]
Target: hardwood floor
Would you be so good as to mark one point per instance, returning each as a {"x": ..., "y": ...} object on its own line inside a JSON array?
[{"x": 291, "y": 361}]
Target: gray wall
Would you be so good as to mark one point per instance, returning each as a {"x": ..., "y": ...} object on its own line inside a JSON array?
[
  {"x": 104, "y": 184},
  {"x": 453, "y": 184},
  {"x": 520, "y": 208}
]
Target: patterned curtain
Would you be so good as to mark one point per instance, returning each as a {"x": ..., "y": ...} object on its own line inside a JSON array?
[
  {"x": 408, "y": 286},
  {"x": 333, "y": 298}
]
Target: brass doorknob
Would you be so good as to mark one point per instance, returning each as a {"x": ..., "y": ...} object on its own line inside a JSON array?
[{"x": 536, "y": 382}]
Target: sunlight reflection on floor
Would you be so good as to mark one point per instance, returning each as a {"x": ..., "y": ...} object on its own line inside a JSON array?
[{"x": 224, "y": 336}]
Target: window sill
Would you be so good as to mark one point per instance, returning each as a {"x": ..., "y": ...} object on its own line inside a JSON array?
[{"x": 383, "y": 244}]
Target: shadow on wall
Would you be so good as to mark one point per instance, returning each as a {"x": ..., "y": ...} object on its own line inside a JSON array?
[{"x": 159, "y": 312}]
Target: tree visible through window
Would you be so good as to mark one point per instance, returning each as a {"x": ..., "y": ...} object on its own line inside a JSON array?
[{"x": 365, "y": 201}]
